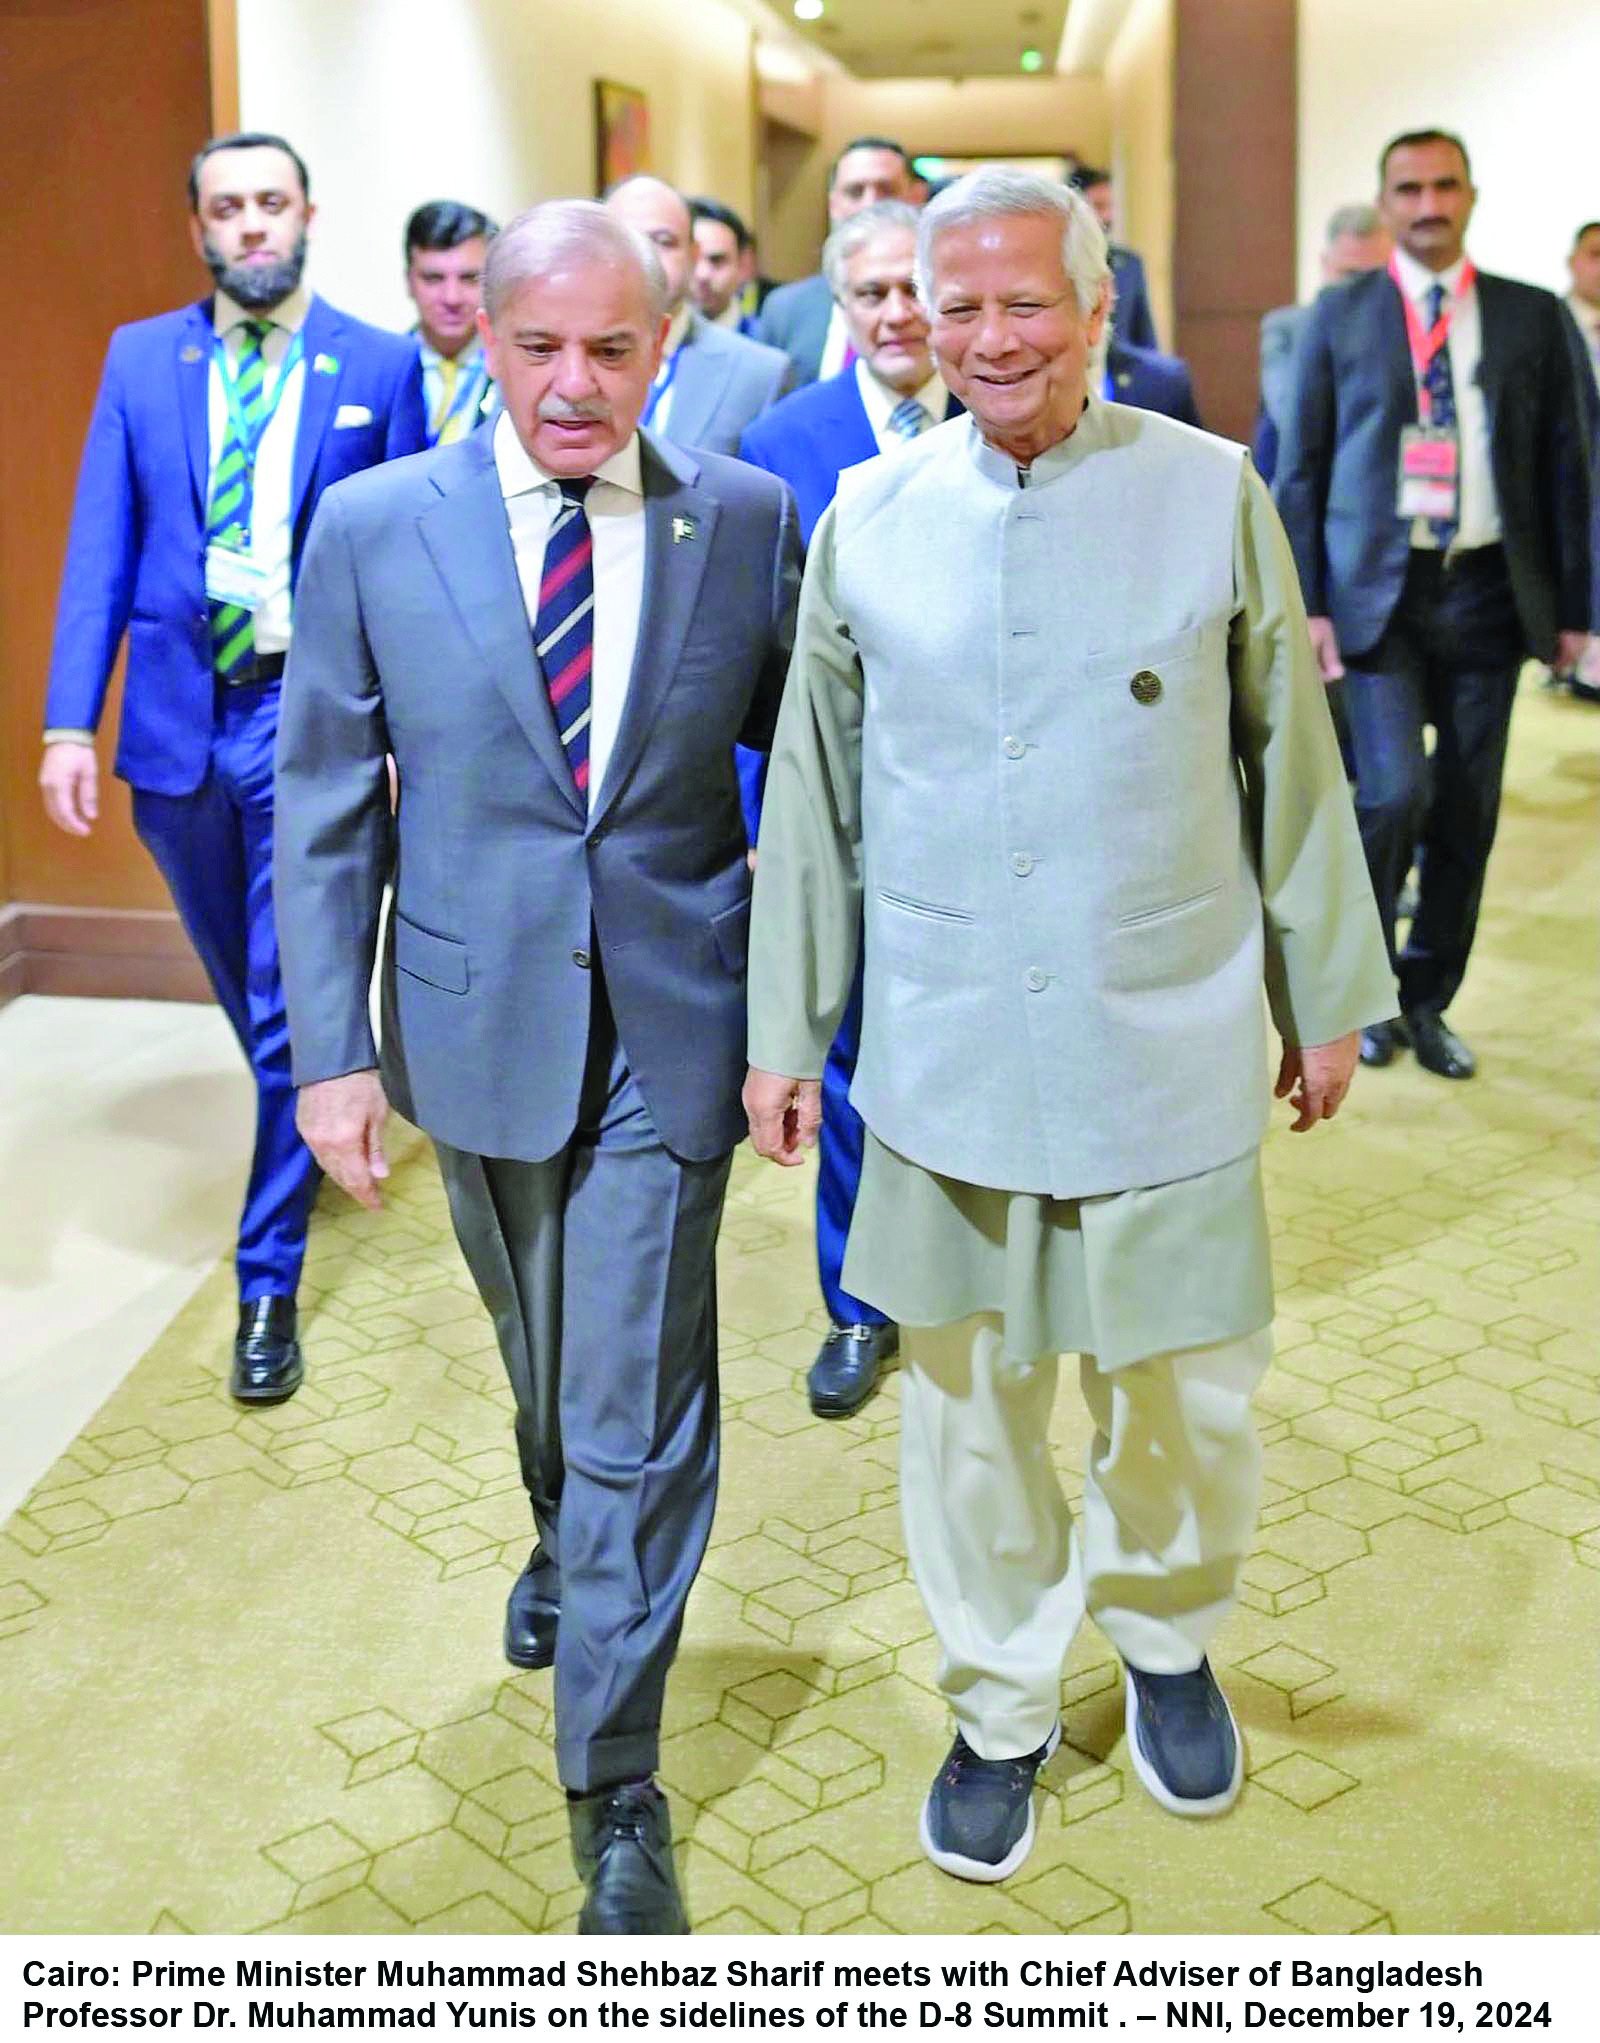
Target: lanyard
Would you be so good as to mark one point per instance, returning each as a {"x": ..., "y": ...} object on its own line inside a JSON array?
[
  {"x": 1425, "y": 344},
  {"x": 468, "y": 387},
  {"x": 249, "y": 437},
  {"x": 661, "y": 385}
]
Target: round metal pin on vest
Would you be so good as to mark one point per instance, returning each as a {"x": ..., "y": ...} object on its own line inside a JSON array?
[{"x": 1145, "y": 686}]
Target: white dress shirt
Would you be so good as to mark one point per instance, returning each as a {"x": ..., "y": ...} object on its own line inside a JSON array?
[
  {"x": 675, "y": 332},
  {"x": 880, "y": 401},
  {"x": 1588, "y": 319},
  {"x": 1479, "y": 521},
  {"x": 836, "y": 346},
  {"x": 615, "y": 507},
  {"x": 271, "y": 529}
]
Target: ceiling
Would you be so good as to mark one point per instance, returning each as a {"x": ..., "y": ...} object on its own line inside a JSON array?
[{"x": 934, "y": 38}]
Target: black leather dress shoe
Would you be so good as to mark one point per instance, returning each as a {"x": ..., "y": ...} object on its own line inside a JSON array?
[
  {"x": 531, "y": 1617},
  {"x": 622, "y": 1847},
  {"x": 845, "y": 1373},
  {"x": 1437, "y": 1046},
  {"x": 1379, "y": 1043},
  {"x": 267, "y": 1366}
]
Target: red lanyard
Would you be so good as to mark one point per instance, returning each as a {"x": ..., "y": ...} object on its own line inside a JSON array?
[{"x": 1425, "y": 345}]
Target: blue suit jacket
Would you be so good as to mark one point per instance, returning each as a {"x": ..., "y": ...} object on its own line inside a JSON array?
[
  {"x": 136, "y": 553},
  {"x": 1335, "y": 485},
  {"x": 1152, "y": 381},
  {"x": 1132, "y": 318}
]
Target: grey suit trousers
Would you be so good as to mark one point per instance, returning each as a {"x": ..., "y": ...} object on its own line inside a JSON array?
[{"x": 597, "y": 1266}]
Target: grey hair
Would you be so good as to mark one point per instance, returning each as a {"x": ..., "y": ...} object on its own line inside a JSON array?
[
  {"x": 1356, "y": 219},
  {"x": 996, "y": 193},
  {"x": 853, "y": 234},
  {"x": 531, "y": 244}
]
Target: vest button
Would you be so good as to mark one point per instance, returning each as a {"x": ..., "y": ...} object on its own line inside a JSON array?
[
  {"x": 1145, "y": 686},
  {"x": 1013, "y": 748},
  {"x": 581, "y": 960},
  {"x": 1021, "y": 864},
  {"x": 1036, "y": 980}
]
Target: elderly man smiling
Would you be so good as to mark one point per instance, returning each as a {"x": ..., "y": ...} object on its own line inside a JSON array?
[{"x": 1054, "y": 726}]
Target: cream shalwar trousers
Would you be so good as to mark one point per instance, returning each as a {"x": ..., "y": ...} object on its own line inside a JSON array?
[{"x": 1171, "y": 1491}]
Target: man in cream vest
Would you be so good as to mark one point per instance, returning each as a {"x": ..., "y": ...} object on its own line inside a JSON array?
[{"x": 1054, "y": 729}]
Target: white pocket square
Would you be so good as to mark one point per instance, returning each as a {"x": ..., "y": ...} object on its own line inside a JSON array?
[{"x": 352, "y": 415}]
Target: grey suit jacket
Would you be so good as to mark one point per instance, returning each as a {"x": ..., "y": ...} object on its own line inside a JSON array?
[
  {"x": 795, "y": 318},
  {"x": 723, "y": 383},
  {"x": 411, "y": 637},
  {"x": 1280, "y": 333}
]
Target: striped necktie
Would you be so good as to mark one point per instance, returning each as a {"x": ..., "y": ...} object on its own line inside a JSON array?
[
  {"x": 563, "y": 632},
  {"x": 233, "y": 630},
  {"x": 1440, "y": 386},
  {"x": 910, "y": 417}
]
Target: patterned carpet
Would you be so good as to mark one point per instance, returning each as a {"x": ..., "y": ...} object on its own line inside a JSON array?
[{"x": 249, "y": 1665}]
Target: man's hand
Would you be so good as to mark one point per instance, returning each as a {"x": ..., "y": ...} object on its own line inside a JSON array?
[
  {"x": 70, "y": 777},
  {"x": 1325, "y": 644},
  {"x": 341, "y": 1122},
  {"x": 1569, "y": 651},
  {"x": 784, "y": 1115},
  {"x": 1318, "y": 1074}
]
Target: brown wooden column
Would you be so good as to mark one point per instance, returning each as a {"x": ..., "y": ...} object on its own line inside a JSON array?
[
  {"x": 1235, "y": 148},
  {"x": 102, "y": 103}
]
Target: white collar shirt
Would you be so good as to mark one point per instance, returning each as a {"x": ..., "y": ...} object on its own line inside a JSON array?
[
  {"x": 1479, "y": 520},
  {"x": 836, "y": 347},
  {"x": 1588, "y": 321},
  {"x": 677, "y": 333},
  {"x": 615, "y": 510},
  {"x": 879, "y": 403},
  {"x": 271, "y": 521}
]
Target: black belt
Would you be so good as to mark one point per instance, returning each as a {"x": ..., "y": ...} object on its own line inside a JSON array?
[{"x": 264, "y": 667}]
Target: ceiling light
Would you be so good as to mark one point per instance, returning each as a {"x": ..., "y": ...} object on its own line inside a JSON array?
[
  {"x": 1031, "y": 60},
  {"x": 808, "y": 10}
]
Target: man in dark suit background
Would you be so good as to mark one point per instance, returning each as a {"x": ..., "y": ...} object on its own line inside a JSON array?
[
  {"x": 890, "y": 394},
  {"x": 1132, "y": 319},
  {"x": 711, "y": 383},
  {"x": 805, "y": 319},
  {"x": 216, "y": 429},
  {"x": 563, "y": 989},
  {"x": 1356, "y": 240},
  {"x": 1151, "y": 380},
  {"x": 1427, "y": 591},
  {"x": 724, "y": 251}
]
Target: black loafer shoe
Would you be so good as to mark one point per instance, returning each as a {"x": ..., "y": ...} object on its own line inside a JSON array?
[
  {"x": 267, "y": 1365},
  {"x": 845, "y": 1373},
  {"x": 1379, "y": 1043},
  {"x": 622, "y": 1847},
  {"x": 1183, "y": 1742},
  {"x": 978, "y": 1819},
  {"x": 1437, "y": 1046},
  {"x": 531, "y": 1617}
]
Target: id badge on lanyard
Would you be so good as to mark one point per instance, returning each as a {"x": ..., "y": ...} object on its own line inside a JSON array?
[
  {"x": 233, "y": 574},
  {"x": 1428, "y": 482}
]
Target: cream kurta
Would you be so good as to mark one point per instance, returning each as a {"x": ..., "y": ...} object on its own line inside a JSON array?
[{"x": 1126, "y": 1274}]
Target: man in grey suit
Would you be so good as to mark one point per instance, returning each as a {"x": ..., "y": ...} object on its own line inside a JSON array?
[
  {"x": 803, "y": 319},
  {"x": 711, "y": 383},
  {"x": 1356, "y": 241},
  {"x": 559, "y": 628}
]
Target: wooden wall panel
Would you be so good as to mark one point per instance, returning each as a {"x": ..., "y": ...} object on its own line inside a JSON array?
[
  {"x": 1234, "y": 149},
  {"x": 102, "y": 102}
]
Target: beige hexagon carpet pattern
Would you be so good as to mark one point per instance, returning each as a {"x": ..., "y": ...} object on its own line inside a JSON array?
[{"x": 249, "y": 1663}]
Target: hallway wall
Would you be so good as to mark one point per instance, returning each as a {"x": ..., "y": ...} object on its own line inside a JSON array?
[{"x": 396, "y": 101}]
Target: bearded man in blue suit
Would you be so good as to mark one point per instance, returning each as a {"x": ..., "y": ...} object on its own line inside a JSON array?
[
  {"x": 216, "y": 429},
  {"x": 890, "y": 393}
]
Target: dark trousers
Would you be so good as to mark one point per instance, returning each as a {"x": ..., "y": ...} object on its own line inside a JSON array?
[
  {"x": 840, "y": 1146},
  {"x": 214, "y": 848},
  {"x": 598, "y": 1267},
  {"x": 1450, "y": 658}
]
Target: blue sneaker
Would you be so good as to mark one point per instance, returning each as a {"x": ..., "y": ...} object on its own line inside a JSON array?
[
  {"x": 1183, "y": 1741},
  {"x": 978, "y": 1819}
]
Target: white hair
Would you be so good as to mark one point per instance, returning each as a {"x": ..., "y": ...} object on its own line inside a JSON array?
[
  {"x": 531, "y": 245},
  {"x": 853, "y": 234},
  {"x": 996, "y": 193}
]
